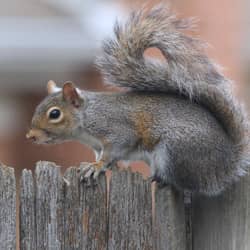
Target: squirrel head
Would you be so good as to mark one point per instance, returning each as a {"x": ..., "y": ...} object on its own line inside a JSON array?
[{"x": 57, "y": 117}]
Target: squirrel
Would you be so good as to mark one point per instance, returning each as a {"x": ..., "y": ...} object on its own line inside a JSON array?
[{"x": 179, "y": 116}]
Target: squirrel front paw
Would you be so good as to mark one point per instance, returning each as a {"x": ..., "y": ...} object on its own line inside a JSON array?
[{"x": 91, "y": 170}]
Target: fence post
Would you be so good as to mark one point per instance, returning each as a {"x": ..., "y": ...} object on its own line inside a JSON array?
[
  {"x": 130, "y": 212},
  {"x": 94, "y": 218},
  {"x": 72, "y": 211},
  {"x": 7, "y": 208},
  {"x": 27, "y": 212},
  {"x": 169, "y": 221},
  {"x": 49, "y": 206},
  {"x": 223, "y": 222}
]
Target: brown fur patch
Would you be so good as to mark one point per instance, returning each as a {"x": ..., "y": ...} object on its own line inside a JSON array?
[{"x": 143, "y": 122}]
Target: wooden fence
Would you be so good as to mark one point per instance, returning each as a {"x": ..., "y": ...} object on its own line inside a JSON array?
[{"x": 54, "y": 214}]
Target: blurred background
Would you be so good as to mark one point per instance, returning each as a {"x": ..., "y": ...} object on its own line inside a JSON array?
[{"x": 59, "y": 39}]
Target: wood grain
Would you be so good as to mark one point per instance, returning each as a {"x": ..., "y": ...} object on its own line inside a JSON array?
[
  {"x": 169, "y": 221},
  {"x": 49, "y": 206},
  {"x": 223, "y": 222},
  {"x": 130, "y": 212},
  {"x": 27, "y": 212},
  {"x": 7, "y": 208}
]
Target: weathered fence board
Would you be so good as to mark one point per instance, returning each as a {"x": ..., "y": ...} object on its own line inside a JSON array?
[
  {"x": 130, "y": 212},
  {"x": 49, "y": 206},
  {"x": 27, "y": 212},
  {"x": 72, "y": 210},
  {"x": 60, "y": 212},
  {"x": 223, "y": 222},
  {"x": 94, "y": 215},
  {"x": 169, "y": 221},
  {"x": 7, "y": 208}
]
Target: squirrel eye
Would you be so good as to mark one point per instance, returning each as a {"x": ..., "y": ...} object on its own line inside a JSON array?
[{"x": 54, "y": 115}]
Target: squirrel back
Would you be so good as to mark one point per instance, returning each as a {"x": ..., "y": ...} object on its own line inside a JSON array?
[{"x": 187, "y": 71}]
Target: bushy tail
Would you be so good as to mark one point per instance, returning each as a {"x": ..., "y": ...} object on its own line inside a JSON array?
[{"x": 187, "y": 70}]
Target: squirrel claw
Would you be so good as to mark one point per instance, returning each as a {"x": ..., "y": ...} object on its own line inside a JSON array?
[
  {"x": 89, "y": 170},
  {"x": 97, "y": 173},
  {"x": 89, "y": 173},
  {"x": 83, "y": 169}
]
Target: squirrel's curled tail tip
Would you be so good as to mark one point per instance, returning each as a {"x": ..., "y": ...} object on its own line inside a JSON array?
[{"x": 123, "y": 63}]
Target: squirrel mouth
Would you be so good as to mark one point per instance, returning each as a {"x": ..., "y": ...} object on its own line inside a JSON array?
[
  {"x": 42, "y": 136},
  {"x": 39, "y": 136}
]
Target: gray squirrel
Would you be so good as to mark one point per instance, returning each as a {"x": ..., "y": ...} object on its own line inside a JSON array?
[{"x": 179, "y": 116}]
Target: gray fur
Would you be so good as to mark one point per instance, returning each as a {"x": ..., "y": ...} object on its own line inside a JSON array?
[
  {"x": 187, "y": 71},
  {"x": 194, "y": 151},
  {"x": 178, "y": 116}
]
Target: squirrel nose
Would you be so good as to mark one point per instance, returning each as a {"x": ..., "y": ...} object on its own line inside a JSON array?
[{"x": 30, "y": 135}]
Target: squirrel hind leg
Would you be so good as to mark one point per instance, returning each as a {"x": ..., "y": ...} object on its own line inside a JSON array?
[{"x": 160, "y": 165}]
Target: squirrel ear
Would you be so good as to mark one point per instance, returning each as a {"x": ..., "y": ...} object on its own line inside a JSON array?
[
  {"x": 71, "y": 95},
  {"x": 52, "y": 88}
]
